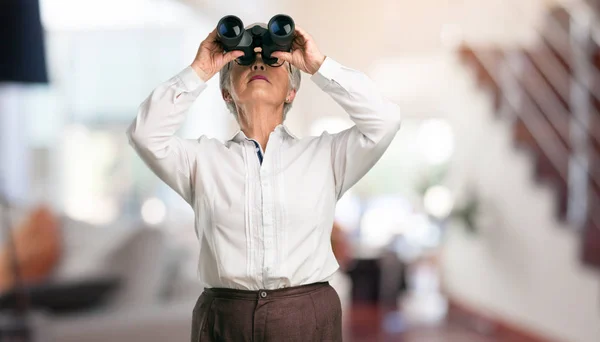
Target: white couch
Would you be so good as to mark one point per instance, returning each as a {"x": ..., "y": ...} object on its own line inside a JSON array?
[{"x": 153, "y": 301}]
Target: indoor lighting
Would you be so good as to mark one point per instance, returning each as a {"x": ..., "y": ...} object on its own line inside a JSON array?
[
  {"x": 438, "y": 201},
  {"x": 377, "y": 225},
  {"x": 436, "y": 141},
  {"x": 153, "y": 211}
]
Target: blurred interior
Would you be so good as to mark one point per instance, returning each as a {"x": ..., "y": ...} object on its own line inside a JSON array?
[{"x": 480, "y": 223}]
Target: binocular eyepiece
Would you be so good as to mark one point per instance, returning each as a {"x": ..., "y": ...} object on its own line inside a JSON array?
[{"x": 278, "y": 36}]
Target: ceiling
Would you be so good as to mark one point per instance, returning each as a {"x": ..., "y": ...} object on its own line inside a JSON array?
[
  {"x": 360, "y": 31},
  {"x": 401, "y": 44}
]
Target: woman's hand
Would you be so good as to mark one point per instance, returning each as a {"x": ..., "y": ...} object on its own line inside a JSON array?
[
  {"x": 211, "y": 58},
  {"x": 305, "y": 54}
]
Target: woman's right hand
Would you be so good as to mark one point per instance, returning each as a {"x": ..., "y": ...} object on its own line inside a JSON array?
[{"x": 210, "y": 57}]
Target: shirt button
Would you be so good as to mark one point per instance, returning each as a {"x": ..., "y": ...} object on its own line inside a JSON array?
[{"x": 263, "y": 294}]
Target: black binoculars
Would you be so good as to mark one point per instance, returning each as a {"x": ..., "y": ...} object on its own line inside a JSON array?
[{"x": 278, "y": 36}]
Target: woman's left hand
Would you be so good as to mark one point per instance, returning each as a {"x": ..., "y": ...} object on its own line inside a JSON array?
[{"x": 305, "y": 54}]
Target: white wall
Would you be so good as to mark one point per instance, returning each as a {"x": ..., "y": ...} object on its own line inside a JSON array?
[{"x": 524, "y": 265}]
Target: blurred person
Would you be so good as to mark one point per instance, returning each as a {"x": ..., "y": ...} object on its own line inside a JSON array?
[
  {"x": 394, "y": 264},
  {"x": 37, "y": 249},
  {"x": 393, "y": 285},
  {"x": 264, "y": 200}
]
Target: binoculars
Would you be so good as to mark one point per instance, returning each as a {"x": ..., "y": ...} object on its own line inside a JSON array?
[{"x": 278, "y": 36}]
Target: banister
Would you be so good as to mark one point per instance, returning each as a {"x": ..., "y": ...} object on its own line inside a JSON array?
[{"x": 540, "y": 129}]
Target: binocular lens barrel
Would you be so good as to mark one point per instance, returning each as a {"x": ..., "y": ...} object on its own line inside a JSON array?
[
  {"x": 278, "y": 36},
  {"x": 230, "y": 30},
  {"x": 282, "y": 29}
]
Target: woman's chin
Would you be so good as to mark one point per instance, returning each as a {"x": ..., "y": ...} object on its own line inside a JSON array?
[
  {"x": 259, "y": 84},
  {"x": 261, "y": 92}
]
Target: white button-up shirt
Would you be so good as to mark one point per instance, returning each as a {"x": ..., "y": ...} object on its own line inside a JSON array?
[{"x": 265, "y": 225}]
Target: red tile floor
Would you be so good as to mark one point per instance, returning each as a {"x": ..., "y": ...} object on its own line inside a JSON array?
[
  {"x": 422, "y": 317},
  {"x": 365, "y": 324}
]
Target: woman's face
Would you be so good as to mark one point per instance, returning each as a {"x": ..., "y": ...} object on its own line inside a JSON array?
[{"x": 259, "y": 82}]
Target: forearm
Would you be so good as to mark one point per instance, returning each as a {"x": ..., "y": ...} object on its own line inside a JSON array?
[
  {"x": 374, "y": 115},
  {"x": 152, "y": 133}
]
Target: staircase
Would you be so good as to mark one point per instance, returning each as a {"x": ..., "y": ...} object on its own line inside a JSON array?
[{"x": 550, "y": 93}]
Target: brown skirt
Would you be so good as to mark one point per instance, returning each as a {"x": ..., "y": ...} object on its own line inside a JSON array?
[{"x": 303, "y": 313}]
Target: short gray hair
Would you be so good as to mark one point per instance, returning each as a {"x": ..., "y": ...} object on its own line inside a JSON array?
[{"x": 225, "y": 84}]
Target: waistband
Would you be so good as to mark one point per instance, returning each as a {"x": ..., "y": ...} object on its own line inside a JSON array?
[{"x": 226, "y": 293}]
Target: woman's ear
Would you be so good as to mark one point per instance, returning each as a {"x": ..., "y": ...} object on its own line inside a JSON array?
[
  {"x": 290, "y": 96},
  {"x": 226, "y": 95}
]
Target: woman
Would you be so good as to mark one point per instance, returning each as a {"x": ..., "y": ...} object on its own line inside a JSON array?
[{"x": 264, "y": 200}]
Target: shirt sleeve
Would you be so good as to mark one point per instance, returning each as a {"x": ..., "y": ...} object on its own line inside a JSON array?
[
  {"x": 152, "y": 133},
  {"x": 376, "y": 120}
]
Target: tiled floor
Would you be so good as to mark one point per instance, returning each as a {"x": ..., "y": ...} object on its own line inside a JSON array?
[
  {"x": 365, "y": 325},
  {"x": 422, "y": 318}
]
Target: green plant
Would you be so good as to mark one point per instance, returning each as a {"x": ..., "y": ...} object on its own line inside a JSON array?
[{"x": 467, "y": 213}]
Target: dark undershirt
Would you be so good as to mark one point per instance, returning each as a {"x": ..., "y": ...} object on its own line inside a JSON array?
[{"x": 258, "y": 152}]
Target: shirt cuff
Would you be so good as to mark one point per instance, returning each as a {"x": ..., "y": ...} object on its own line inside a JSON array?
[
  {"x": 190, "y": 79},
  {"x": 326, "y": 72}
]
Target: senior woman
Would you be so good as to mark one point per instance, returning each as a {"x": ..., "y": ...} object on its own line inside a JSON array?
[{"x": 264, "y": 200}]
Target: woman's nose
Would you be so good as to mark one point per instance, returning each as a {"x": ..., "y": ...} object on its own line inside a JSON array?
[{"x": 258, "y": 64}]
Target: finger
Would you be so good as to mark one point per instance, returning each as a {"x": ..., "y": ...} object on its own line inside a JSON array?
[
  {"x": 231, "y": 55},
  {"x": 212, "y": 40},
  {"x": 284, "y": 56},
  {"x": 212, "y": 34},
  {"x": 303, "y": 34},
  {"x": 297, "y": 45},
  {"x": 299, "y": 41}
]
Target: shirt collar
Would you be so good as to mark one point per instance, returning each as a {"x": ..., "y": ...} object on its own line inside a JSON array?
[{"x": 239, "y": 136}]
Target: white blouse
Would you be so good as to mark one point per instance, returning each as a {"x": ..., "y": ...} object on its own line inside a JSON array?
[{"x": 265, "y": 225}]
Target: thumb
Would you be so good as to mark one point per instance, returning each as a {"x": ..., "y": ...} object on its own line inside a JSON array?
[
  {"x": 231, "y": 55},
  {"x": 285, "y": 56}
]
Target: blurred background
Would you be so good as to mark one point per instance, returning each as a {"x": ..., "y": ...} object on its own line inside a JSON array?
[{"x": 480, "y": 223}]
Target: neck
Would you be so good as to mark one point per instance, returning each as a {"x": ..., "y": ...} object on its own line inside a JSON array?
[{"x": 259, "y": 120}]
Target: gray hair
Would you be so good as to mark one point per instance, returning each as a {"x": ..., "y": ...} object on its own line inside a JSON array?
[{"x": 225, "y": 84}]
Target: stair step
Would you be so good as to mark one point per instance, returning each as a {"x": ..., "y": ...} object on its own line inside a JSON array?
[
  {"x": 545, "y": 171},
  {"x": 549, "y": 94},
  {"x": 591, "y": 245},
  {"x": 485, "y": 75}
]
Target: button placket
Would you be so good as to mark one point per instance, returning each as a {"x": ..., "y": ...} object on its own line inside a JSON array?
[
  {"x": 267, "y": 222},
  {"x": 267, "y": 209}
]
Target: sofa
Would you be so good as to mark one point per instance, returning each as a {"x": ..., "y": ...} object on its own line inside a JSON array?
[{"x": 151, "y": 278}]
